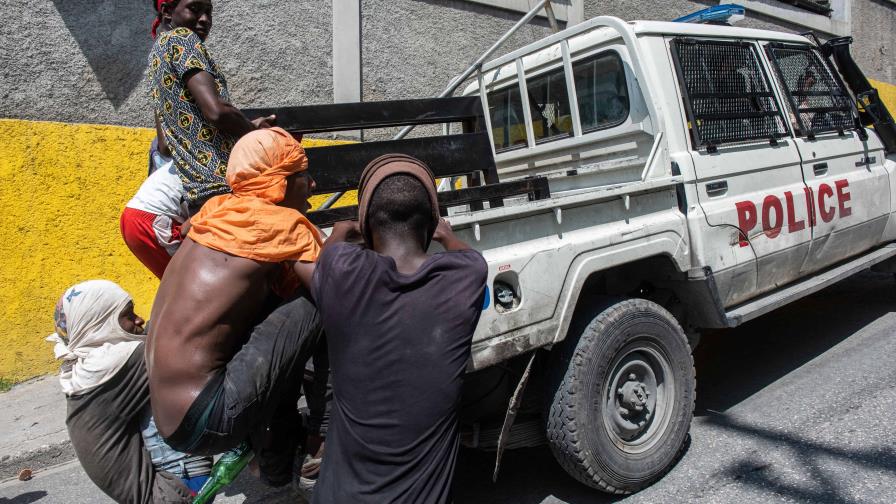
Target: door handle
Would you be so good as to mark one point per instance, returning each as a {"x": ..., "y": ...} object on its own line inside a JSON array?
[
  {"x": 820, "y": 168},
  {"x": 716, "y": 188}
]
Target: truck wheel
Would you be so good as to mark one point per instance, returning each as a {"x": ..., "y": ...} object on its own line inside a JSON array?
[{"x": 622, "y": 396}]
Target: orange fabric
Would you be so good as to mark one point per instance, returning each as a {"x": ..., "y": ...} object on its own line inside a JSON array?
[{"x": 248, "y": 223}]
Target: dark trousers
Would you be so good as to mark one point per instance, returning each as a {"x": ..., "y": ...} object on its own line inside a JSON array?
[
  {"x": 104, "y": 427},
  {"x": 255, "y": 395}
]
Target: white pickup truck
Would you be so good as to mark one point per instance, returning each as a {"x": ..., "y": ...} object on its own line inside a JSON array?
[
  {"x": 700, "y": 176},
  {"x": 643, "y": 181}
]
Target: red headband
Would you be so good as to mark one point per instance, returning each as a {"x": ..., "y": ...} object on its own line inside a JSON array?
[{"x": 158, "y": 20}]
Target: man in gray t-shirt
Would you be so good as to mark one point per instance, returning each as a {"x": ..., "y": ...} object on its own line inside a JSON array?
[{"x": 399, "y": 325}]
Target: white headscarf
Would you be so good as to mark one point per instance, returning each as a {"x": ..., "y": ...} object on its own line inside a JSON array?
[{"x": 89, "y": 338}]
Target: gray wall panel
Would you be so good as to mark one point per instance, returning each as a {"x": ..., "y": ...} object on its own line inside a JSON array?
[{"x": 83, "y": 60}]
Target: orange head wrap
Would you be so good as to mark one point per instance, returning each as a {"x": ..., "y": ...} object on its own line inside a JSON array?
[
  {"x": 261, "y": 161},
  {"x": 248, "y": 222}
]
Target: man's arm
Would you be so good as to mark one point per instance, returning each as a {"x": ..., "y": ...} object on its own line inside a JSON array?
[
  {"x": 161, "y": 143},
  {"x": 220, "y": 113},
  {"x": 445, "y": 236}
]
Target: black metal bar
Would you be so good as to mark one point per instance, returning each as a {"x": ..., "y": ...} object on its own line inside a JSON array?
[
  {"x": 810, "y": 110},
  {"x": 331, "y": 215},
  {"x": 773, "y": 57},
  {"x": 339, "y": 167},
  {"x": 750, "y": 94},
  {"x": 536, "y": 187},
  {"x": 365, "y": 115},
  {"x": 688, "y": 106},
  {"x": 735, "y": 116}
]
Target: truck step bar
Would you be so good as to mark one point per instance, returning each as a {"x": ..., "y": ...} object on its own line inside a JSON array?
[{"x": 815, "y": 283}]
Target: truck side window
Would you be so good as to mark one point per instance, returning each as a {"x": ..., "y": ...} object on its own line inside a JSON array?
[
  {"x": 601, "y": 91},
  {"x": 505, "y": 111},
  {"x": 812, "y": 90},
  {"x": 727, "y": 95},
  {"x": 549, "y": 104}
]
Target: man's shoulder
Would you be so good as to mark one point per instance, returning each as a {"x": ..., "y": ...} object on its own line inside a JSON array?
[
  {"x": 467, "y": 258},
  {"x": 340, "y": 253}
]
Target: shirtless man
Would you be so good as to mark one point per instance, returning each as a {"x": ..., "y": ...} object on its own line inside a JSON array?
[{"x": 222, "y": 366}]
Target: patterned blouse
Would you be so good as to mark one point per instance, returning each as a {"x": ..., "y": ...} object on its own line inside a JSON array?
[{"x": 200, "y": 150}]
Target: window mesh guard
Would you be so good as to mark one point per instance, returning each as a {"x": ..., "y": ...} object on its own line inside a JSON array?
[
  {"x": 727, "y": 96},
  {"x": 819, "y": 99}
]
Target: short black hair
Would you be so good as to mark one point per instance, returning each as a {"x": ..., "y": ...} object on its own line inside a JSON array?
[{"x": 400, "y": 205}]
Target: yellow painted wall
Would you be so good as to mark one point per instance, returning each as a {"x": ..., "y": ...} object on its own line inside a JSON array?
[{"x": 62, "y": 189}]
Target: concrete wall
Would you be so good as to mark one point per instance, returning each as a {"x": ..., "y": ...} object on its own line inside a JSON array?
[
  {"x": 874, "y": 30},
  {"x": 83, "y": 61}
]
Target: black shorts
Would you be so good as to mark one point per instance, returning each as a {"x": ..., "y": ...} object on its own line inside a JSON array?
[{"x": 264, "y": 375}]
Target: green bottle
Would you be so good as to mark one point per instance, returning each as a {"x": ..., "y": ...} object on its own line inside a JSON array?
[{"x": 224, "y": 472}]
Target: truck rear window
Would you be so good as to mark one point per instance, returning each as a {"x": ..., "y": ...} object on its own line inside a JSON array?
[
  {"x": 726, "y": 93},
  {"x": 601, "y": 91},
  {"x": 506, "y": 114},
  {"x": 601, "y": 94}
]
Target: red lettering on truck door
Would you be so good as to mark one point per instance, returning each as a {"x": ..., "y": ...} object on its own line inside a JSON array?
[
  {"x": 826, "y": 213},
  {"x": 843, "y": 197},
  {"x": 746, "y": 219},
  {"x": 793, "y": 225},
  {"x": 810, "y": 205},
  {"x": 768, "y": 204}
]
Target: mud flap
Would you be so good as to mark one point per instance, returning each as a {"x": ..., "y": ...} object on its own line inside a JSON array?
[{"x": 512, "y": 410}]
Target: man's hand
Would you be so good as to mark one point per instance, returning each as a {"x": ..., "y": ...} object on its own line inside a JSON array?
[
  {"x": 345, "y": 231},
  {"x": 445, "y": 236},
  {"x": 265, "y": 122}
]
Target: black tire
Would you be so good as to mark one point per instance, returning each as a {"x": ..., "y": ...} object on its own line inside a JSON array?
[{"x": 639, "y": 349}]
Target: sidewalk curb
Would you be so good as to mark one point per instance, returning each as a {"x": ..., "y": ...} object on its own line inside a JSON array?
[
  {"x": 39, "y": 458},
  {"x": 33, "y": 434}
]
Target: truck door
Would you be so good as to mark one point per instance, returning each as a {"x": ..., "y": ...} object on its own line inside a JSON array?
[
  {"x": 747, "y": 164},
  {"x": 850, "y": 189}
]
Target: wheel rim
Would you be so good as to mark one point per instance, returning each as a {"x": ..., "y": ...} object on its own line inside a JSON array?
[{"x": 639, "y": 397}]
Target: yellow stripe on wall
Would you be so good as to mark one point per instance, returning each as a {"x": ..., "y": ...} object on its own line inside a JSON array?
[
  {"x": 887, "y": 93},
  {"x": 62, "y": 189}
]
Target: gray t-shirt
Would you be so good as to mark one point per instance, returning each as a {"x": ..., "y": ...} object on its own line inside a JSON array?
[{"x": 398, "y": 348}]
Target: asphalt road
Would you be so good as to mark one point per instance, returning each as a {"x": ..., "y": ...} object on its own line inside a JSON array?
[{"x": 797, "y": 406}]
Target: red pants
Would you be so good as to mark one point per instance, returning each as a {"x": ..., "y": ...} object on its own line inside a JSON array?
[{"x": 152, "y": 238}]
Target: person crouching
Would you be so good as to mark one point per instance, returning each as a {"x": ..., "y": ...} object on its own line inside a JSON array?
[{"x": 100, "y": 341}]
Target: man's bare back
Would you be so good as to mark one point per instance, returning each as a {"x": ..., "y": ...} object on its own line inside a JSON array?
[{"x": 206, "y": 305}]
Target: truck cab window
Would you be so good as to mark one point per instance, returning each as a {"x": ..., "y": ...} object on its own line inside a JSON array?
[
  {"x": 727, "y": 96},
  {"x": 549, "y": 104},
  {"x": 505, "y": 111},
  {"x": 601, "y": 91},
  {"x": 816, "y": 100}
]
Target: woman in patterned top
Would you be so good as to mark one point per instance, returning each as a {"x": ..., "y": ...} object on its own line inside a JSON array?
[{"x": 191, "y": 100}]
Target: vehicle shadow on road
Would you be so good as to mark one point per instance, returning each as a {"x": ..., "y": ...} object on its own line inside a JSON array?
[
  {"x": 25, "y": 498},
  {"x": 528, "y": 476},
  {"x": 757, "y": 473},
  {"x": 736, "y": 363}
]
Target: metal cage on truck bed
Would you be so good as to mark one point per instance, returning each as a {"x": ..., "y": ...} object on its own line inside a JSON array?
[{"x": 467, "y": 154}]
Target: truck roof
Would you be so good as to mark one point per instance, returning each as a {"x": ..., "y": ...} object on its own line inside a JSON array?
[
  {"x": 708, "y": 30},
  {"x": 547, "y": 50}
]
